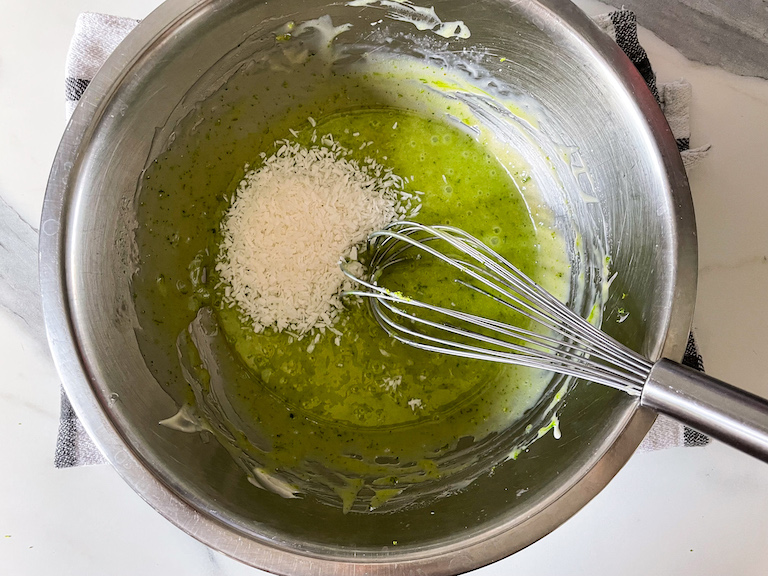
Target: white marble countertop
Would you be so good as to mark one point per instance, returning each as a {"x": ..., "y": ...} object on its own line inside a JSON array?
[{"x": 685, "y": 511}]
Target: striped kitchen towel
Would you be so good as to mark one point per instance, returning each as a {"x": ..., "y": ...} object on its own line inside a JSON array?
[{"x": 97, "y": 35}]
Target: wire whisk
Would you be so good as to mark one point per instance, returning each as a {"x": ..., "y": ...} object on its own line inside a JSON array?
[{"x": 545, "y": 334}]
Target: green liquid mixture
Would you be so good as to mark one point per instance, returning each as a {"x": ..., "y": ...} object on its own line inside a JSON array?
[{"x": 360, "y": 415}]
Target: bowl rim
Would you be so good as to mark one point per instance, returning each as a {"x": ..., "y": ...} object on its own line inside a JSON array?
[{"x": 472, "y": 553}]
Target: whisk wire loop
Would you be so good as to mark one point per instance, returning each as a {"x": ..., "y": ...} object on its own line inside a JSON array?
[{"x": 562, "y": 341}]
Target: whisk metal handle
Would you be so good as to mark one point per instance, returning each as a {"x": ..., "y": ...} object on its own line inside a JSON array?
[{"x": 708, "y": 405}]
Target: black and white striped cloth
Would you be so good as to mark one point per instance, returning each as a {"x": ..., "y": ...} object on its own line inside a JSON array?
[{"x": 97, "y": 35}]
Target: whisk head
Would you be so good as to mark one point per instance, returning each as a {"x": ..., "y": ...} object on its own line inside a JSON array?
[{"x": 526, "y": 325}]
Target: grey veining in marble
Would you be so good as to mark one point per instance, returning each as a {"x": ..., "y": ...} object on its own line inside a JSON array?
[
  {"x": 732, "y": 34},
  {"x": 19, "y": 289},
  {"x": 20, "y": 296}
]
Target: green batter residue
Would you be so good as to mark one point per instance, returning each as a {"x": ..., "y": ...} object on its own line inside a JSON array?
[
  {"x": 357, "y": 420},
  {"x": 361, "y": 377}
]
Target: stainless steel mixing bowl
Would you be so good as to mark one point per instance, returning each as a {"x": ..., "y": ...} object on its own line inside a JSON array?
[{"x": 599, "y": 105}]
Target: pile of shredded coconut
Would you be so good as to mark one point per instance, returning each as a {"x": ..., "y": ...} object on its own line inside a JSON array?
[{"x": 289, "y": 224}]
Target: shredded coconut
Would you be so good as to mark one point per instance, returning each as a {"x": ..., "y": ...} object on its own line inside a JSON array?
[
  {"x": 291, "y": 221},
  {"x": 391, "y": 384}
]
